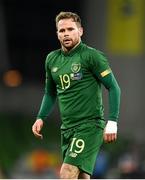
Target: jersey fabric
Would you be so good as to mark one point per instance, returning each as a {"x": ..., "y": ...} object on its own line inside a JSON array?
[
  {"x": 76, "y": 77},
  {"x": 80, "y": 145}
]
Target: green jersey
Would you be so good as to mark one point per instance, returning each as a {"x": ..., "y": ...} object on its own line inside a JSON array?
[{"x": 77, "y": 77}]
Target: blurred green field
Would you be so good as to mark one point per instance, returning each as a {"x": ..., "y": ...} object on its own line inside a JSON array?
[{"x": 16, "y": 137}]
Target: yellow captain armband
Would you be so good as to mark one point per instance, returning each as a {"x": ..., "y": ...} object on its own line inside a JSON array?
[{"x": 105, "y": 73}]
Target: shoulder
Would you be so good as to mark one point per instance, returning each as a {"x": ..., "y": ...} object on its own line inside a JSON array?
[
  {"x": 52, "y": 54},
  {"x": 51, "y": 57},
  {"x": 90, "y": 53},
  {"x": 94, "y": 52}
]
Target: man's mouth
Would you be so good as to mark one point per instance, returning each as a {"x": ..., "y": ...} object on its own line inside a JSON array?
[{"x": 66, "y": 40}]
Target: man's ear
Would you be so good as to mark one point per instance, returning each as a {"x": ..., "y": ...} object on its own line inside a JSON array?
[
  {"x": 57, "y": 34},
  {"x": 80, "y": 31}
]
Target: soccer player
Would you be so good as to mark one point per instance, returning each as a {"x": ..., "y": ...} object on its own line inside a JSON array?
[{"x": 74, "y": 74}]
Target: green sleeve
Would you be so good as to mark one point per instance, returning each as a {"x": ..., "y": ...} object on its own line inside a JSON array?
[
  {"x": 111, "y": 84},
  {"x": 49, "y": 96},
  {"x": 99, "y": 66}
]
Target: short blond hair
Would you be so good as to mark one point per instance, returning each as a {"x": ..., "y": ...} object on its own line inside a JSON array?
[{"x": 68, "y": 15}]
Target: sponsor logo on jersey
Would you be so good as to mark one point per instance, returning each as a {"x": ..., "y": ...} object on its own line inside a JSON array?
[
  {"x": 75, "y": 67},
  {"x": 76, "y": 76},
  {"x": 54, "y": 69}
]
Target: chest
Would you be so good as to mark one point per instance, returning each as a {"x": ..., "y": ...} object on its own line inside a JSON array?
[{"x": 67, "y": 71}]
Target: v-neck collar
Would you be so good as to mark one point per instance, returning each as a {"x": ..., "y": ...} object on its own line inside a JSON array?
[{"x": 72, "y": 51}]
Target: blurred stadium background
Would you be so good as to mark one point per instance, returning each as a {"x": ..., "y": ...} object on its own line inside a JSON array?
[{"x": 27, "y": 35}]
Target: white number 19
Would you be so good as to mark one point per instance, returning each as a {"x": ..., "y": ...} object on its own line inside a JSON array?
[
  {"x": 79, "y": 144},
  {"x": 65, "y": 81}
]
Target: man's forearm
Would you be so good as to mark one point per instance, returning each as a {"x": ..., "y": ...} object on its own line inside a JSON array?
[
  {"x": 46, "y": 106},
  {"x": 111, "y": 84},
  {"x": 114, "y": 102}
]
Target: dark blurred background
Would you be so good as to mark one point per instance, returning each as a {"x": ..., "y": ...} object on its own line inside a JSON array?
[{"x": 27, "y": 35}]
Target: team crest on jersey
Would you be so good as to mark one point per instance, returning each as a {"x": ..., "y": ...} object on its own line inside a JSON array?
[
  {"x": 54, "y": 69},
  {"x": 75, "y": 67}
]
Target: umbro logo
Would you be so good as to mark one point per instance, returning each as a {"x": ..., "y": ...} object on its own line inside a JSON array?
[
  {"x": 73, "y": 154},
  {"x": 54, "y": 69}
]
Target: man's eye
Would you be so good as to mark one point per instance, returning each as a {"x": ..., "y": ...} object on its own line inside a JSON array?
[
  {"x": 62, "y": 30},
  {"x": 70, "y": 29}
]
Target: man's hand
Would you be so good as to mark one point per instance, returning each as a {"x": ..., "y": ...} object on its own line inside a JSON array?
[
  {"x": 36, "y": 128},
  {"x": 110, "y": 131}
]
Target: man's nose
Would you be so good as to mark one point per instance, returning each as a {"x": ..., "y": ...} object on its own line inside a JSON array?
[{"x": 66, "y": 33}]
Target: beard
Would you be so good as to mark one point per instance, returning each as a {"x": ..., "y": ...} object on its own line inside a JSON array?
[{"x": 68, "y": 44}]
